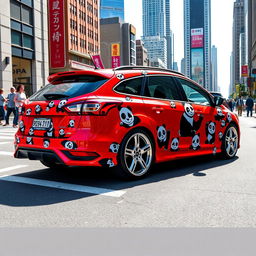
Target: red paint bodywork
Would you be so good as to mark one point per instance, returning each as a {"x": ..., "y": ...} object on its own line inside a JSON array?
[{"x": 95, "y": 133}]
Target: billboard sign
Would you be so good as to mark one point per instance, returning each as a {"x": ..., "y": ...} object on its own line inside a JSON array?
[
  {"x": 97, "y": 61},
  {"x": 197, "y": 65},
  {"x": 57, "y": 33},
  {"x": 197, "y": 38},
  {"x": 244, "y": 71},
  {"x": 115, "y": 53}
]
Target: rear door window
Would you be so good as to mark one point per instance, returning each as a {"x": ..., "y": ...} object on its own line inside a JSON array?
[
  {"x": 69, "y": 87},
  {"x": 131, "y": 86}
]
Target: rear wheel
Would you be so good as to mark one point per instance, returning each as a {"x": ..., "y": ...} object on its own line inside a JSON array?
[
  {"x": 136, "y": 155},
  {"x": 230, "y": 142}
]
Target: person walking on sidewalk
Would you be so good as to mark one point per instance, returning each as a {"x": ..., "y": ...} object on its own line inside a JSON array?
[
  {"x": 249, "y": 106},
  {"x": 11, "y": 108},
  {"x": 240, "y": 105},
  {"x": 20, "y": 98},
  {"x": 2, "y": 111}
]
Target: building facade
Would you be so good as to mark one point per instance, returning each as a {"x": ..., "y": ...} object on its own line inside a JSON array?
[
  {"x": 118, "y": 43},
  {"x": 197, "y": 38},
  {"x": 112, "y": 8},
  {"x": 24, "y": 44},
  {"x": 214, "y": 69},
  {"x": 141, "y": 54},
  {"x": 157, "y": 26},
  {"x": 74, "y": 34}
]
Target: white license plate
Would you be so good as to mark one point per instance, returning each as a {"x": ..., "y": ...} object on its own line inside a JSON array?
[{"x": 41, "y": 124}]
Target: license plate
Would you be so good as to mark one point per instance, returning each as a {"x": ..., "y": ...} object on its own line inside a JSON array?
[{"x": 41, "y": 124}]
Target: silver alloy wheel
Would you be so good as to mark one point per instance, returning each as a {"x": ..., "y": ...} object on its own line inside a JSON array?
[
  {"x": 231, "y": 141},
  {"x": 138, "y": 154}
]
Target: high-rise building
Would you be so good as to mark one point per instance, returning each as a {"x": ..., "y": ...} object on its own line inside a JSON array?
[
  {"x": 182, "y": 66},
  {"x": 141, "y": 54},
  {"x": 157, "y": 27},
  {"x": 118, "y": 43},
  {"x": 175, "y": 66},
  {"x": 214, "y": 69},
  {"x": 238, "y": 28},
  {"x": 112, "y": 8},
  {"x": 73, "y": 34},
  {"x": 197, "y": 35},
  {"x": 23, "y": 44}
]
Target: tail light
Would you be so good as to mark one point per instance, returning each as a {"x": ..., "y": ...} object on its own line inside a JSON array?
[{"x": 100, "y": 108}]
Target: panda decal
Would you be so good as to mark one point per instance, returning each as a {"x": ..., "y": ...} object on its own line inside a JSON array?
[
  {"x": 120, "y": 76},
  {"x": 50, "y": 105},
  {"x": 163, "y": 136},
  {"x": 188, "y": 125},
  {"x": 223, "y": 123},
  {"x": 220, "y": 135},
  {"x": 219, "y": 115},
  {"x": 114, "y": 147},
  {"x": 50, "y": 132},
  {"x": 29, "y": 141},
  {"x": 69, "y": 144},
  {"x": 127, "y": 118},
  {"x": 210, "y": 132},
  {"x": 172, "y": 104},
  {"x": 22, "y": 126},
  {"x": 62, "y": 133},
  {"x": 28, "y": 111},
  {"x": 38, "y": 109},
  {"x": 17, "y": 140},
  {"x": 31, "y": 132},
  {"x": 21, "y": 110},
  {"x": 60, "y": 106},
  {"x": 107, "y": 163},
  {"x": 214, "y": 150},
  {"x": 175, "y": 144},
  {"x": 46, "y": 143},
  {"x": 229, "y": 117},
  {"x": 71, "y": 124},
  {"x": 195, "y": 142}
]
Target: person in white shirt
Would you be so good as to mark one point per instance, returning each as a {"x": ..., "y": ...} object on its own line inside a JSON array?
[{"x": 20, "y": 97}]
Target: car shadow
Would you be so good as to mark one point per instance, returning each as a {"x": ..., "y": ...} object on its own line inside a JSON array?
[{"x": 22, "y": 195}]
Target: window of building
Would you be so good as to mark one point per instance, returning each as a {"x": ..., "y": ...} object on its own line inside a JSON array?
[
  {"x": 16, "y": 38},
  {"x": 26, "y": 15}
]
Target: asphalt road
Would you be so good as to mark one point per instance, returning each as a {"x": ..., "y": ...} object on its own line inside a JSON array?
[{"x": 201, "y": 192}]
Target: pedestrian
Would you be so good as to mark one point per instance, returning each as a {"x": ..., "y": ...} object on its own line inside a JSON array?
[
  {"x": 231, "y": 104},
  {"x": 19, "y": 98},
  {"x": 2, "y": 111},
  {"x": 249, "y": 105},
  {"x": 11, "y": 108},
  {"x": 240, "y": 105}
]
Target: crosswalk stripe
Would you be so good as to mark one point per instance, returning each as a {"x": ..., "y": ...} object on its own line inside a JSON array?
[
  {"x": 7, "y": 137},
  {"x": 4, "y": 143},
  {"x": 11, "y": 168},
  {"x": 64, "y": 186},
  {"x": 5, "y": 153}
]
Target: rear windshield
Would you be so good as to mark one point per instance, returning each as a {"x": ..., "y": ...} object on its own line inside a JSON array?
[{"x": 68, "y": 87}]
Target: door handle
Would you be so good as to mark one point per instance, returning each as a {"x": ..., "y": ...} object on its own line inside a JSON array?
[{"x": 158, "y": 109}]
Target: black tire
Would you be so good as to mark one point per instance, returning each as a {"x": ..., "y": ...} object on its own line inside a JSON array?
[
  {"x": 122, "y": 170},
  {"x": 53, "y": 165},
  {"x": 225, "y": 153}
]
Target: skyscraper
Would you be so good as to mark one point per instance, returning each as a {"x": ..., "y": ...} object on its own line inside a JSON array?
[
  {"x": 197, "y": 35},
  {"x": 112, "y": 8},
  {"x": 157, "y": 34},
  {"x": 214, "y": 68}
]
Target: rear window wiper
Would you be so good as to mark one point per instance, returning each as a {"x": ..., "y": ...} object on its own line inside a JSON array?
[{"x": 55, "y": 96}]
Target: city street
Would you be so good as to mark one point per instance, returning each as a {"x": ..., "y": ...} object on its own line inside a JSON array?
[{"x": 201, "y": 192}]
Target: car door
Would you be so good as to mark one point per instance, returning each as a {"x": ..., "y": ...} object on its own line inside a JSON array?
[
  {"x": 197, "y": 123},
  {"x": 163, "y": 107}
]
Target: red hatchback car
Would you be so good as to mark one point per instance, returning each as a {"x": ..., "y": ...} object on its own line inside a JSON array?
[{"x": 127, "y": 118}]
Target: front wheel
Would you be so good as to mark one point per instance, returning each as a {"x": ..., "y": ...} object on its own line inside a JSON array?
[
  {"x": 136, "y": 155},
  {"x": 230, "y": 142}
]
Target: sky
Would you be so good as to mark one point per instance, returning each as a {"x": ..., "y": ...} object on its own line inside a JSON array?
[{"x": 222, "y": 19}]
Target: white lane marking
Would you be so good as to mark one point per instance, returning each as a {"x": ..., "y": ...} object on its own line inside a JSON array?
[
  {"x": 64, "y": 186},
  {"x": 6, "y": 134},
  {"x": 5, "y": 153},
  {"x": 7, "y": 137},
  {"x": 4, "y": 143},
  {"x": 15, "y": 167}
]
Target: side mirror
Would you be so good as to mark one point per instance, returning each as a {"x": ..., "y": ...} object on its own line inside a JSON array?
[{"x": 218, "y": 100}]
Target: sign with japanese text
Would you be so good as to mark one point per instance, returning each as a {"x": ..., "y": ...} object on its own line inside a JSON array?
[
  {"x": 244, "y": 71},
  {"x": 97, "y": 61},
  {"x": 197, "y": 38},
  {"x": 57, "y": 33}
]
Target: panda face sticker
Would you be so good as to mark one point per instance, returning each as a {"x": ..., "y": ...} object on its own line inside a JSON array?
[
  {"x": 173, "y": 105},
  {"x": 69, "y": 144},
  {"x": 29, "y": 140},
  {"x": 28, "y": 111},
  {"x": 21, "y": 125},
  {"x": 110, "y": 163},
  {"x": 175, "y": 144},
  {"x": 189, "y": 110},
  {"x": 38, "y": 109},
  {"x": 60, "y": 105},
  {"x": 229, "y": 117},
  {"x": 71, "y": 124},
  {"x": 195, "y": 142},
  {"x": 162, "y": 134},
  {"x": 46, "y": 143},
  {"x": 127, "y": 117},
  {"x": 219, "y": 112},
  {"x": 31, "y": 132},
  {"x": 50, "y": 105},
  {"x": 120, "y": 76},
  {"x": 114, "y": 147},
  {"x": 220, "y": 135},
  {"x": 211, "y": 128},
  {"x": 223, "y": 123},
  {"x": 214, "y": 150},
  {"x": 17, "y": 140},
  {"x": 62, "y": 132}
]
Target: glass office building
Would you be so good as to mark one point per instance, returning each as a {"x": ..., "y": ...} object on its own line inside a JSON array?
[{"x": 112, "y": 8}]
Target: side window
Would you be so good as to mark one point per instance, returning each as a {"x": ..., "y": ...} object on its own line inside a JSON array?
[
  {"x": 162, "y": 87},
  {"x": 193, "y": 93},
  {"x": 132, "y": 86}
]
